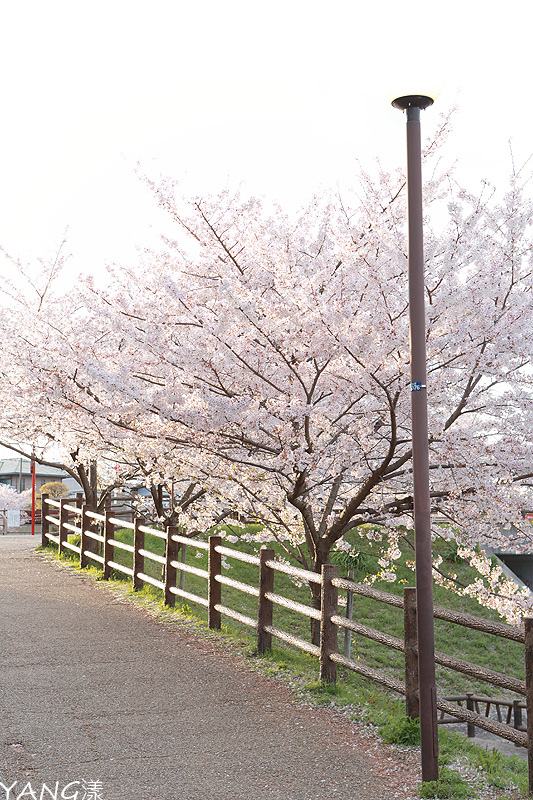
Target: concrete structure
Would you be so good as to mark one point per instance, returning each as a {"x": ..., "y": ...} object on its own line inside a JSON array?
[{"x": 517, "y": 562}]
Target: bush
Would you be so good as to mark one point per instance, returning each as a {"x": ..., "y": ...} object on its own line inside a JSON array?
[
  {"x": 449, "y": 552},
  {"x": 402, "y": 730},
  {"x": 54, "y": 489},
  {"x": 363, "y": 564}
]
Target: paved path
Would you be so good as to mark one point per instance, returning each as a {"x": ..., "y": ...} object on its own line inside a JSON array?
[{"x": 95, "y": 689}]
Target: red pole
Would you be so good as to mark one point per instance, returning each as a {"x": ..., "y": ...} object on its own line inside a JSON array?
[{"x": 33, "y": 497}]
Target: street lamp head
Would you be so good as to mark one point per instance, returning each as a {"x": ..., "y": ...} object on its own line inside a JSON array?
[{"x": 412, "y": 101}]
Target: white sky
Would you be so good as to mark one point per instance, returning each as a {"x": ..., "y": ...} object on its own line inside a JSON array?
[{"x": 284, "y": 97}]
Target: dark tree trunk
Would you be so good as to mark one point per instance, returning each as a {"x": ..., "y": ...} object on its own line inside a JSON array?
[
  {"x": 316, "y": 603},
  {"x": 322, "y": 557},
  {"x": 93, "y": 481},
  {"x": 90, "y": 487}
]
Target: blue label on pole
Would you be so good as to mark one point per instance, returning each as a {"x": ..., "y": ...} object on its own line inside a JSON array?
[{"x": 416, "y": 386}]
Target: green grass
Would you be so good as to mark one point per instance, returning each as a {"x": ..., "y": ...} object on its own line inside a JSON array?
[
  {"x": 365, "y": 700},
  {"x": 450, "y": 785}
]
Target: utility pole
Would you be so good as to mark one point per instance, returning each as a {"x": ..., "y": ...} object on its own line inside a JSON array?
[{"x": 412, "y": 105}]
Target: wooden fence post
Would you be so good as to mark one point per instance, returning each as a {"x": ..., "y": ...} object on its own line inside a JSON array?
[
  {"x": 328, "y": 630},
  {"x": 214, "y": 593},
  {"x": 109, "y": 549},
  {"x": 63, "y": 517},
  {"x": 412, "y": 702},
  {"x": 171, "y": 554},
  {"x": 528, "y": 626},
  {"x": 470, "y": 727},
  {"x": 79, "y": 499},
  {"x": 349, "y": 615},
  {"x": 85, "y": 525},
  {"x": 266, "y": 606},
  {"x": 517, "y": 715},
  {"x": 138, "y": 558},
  {"x": 183, "y": 559},
  {"x": 45, "y": 525}
]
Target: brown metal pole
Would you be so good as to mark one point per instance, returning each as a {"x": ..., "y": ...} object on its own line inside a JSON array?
[
  {"x": 417, "y": 336},
  {"x": 412, "y": 699},
  {"x": 266, "y": 606},
  {"x": 214, "y": 590},
  {"x": 528, "y": 625}
]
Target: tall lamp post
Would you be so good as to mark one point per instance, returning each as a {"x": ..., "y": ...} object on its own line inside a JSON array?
[{"x": 412, "y": 104}]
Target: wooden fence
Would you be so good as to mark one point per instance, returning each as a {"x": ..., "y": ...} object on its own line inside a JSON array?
[{"x": 97, "y": 544}]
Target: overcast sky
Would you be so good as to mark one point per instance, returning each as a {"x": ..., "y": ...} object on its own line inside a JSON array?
[{"x": 283, "y": 97}]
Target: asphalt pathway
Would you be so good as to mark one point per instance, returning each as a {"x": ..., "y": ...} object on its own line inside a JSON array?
[{"x": 99, "y": 701}]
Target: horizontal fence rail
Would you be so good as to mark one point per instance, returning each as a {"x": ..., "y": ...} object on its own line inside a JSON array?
[
  {"x": 512, "y": 708},
  {"x": 99, "y": 542}
]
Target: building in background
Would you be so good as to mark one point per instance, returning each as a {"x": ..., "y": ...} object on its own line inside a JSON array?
[{"x": 16, "y": 472}]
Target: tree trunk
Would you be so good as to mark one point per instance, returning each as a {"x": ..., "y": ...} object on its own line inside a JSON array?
[
  {"x": 93, "y": 479},
  {"x": 92, "y": 545},
  {"x": 322, "y": 557},
  {"x": 316, "y": 603}
]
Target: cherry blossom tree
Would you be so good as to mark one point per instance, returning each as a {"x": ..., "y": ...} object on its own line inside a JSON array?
[
  {"x": 264, "y": 359},
  {"x": 33, "y": 421},
  {"x": 40, "y": 417},
  {"x": 11, "y": 500}
]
